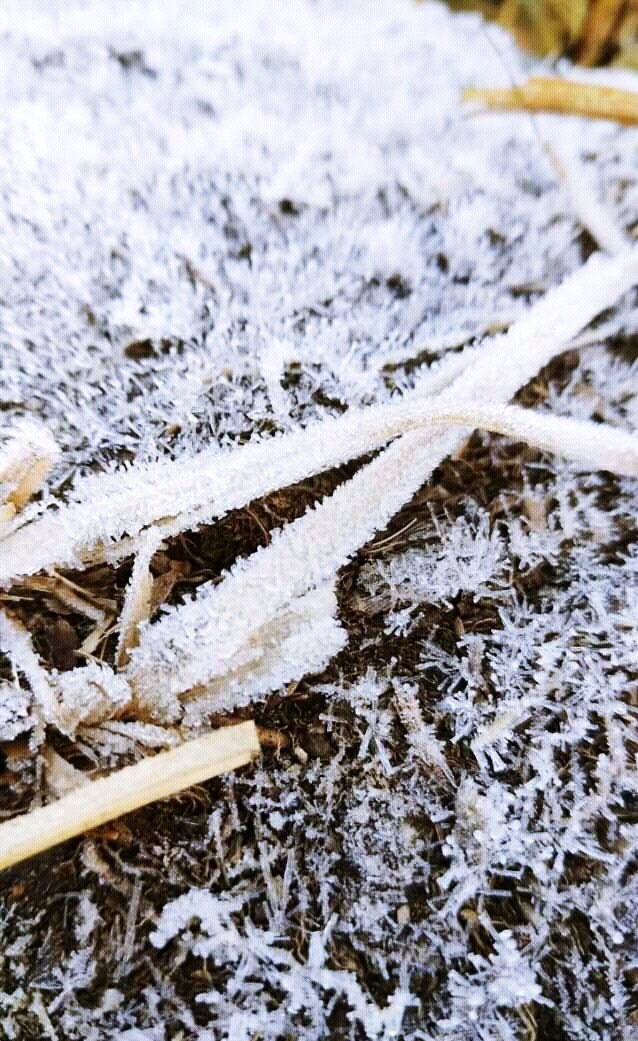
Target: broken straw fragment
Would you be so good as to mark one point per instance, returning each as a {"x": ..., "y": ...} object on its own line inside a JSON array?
[
  {"x": 15, "y": 642},
  {"x": 137, "y": 603},
  {"x": 154, "y": 777},
  {"x": 566, "y": 97},
  {"x": 25, "y": 460}
]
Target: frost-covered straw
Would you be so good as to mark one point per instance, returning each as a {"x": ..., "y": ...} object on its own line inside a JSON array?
[
  {"x": 178, "y": 495},
  {"x": 309, "y": 551},
  {"x": 25, "y": 460},
  {"x": 157, "y": 501}
]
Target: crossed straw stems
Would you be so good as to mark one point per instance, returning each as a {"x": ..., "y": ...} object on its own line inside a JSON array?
[
  {"x": 272, "y": 618},
  {"x": 133, "y": 510}
]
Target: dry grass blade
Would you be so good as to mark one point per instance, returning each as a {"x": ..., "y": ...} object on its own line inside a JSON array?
[
  {"x": 600, "y": 25},
  {"x": 155, "y": 777},
  {"x": 545, "y": 26},
  {"x": 566, "y": 97}
]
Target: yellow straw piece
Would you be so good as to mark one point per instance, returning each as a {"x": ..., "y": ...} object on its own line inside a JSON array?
[
  {"x": 548, "y": 94},
  {"x": 154, "y": 777}
]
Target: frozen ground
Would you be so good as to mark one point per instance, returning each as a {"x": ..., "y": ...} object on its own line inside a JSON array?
[{"x": 222, "y": 220}]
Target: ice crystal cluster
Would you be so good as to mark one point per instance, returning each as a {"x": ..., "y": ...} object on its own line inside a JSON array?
[{"x": 246, "y": 244}]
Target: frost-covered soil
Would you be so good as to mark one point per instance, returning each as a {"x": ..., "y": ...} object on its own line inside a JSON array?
[{"x": 223, "y": 221}]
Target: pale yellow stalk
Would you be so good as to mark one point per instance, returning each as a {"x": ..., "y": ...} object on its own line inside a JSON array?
[{"x": 154, "y": 777}]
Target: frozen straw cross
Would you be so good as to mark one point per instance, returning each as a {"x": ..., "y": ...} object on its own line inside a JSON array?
[
  {"x": 308, "y": 553},
  {"x": 273, "y": 617}
]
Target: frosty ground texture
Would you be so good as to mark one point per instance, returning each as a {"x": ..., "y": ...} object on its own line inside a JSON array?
[{"x": 222, "y": 221}]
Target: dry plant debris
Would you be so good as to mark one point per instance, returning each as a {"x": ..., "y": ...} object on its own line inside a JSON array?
[
  {"x": 568, "y": 97},
  {"x": 591, "y": 32},
  {"x": 107, "y": 798},
  {"x": 346, "y": 436}
]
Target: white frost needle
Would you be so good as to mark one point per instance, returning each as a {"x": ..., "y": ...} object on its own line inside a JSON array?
[{"x": 308, "y": 552}]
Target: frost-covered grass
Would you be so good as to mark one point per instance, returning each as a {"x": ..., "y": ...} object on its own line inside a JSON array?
[{"x": 237, "y": 223}]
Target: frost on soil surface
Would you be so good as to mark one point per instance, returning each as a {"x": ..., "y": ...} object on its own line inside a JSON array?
[{"x": 221, "y": 222}]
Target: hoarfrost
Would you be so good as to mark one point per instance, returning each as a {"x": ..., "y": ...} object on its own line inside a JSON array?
[{"x": 226, "y": 224}]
